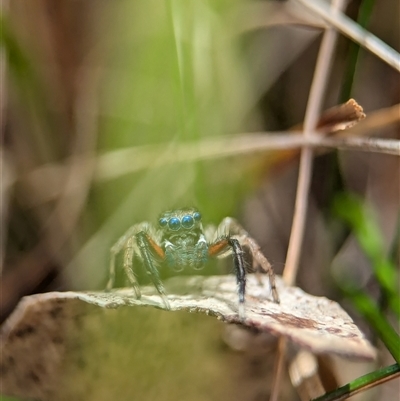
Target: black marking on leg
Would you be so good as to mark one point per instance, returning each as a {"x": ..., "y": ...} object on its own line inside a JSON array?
[
  {"x": 240, "y": 273},
  {"x": 145, "y": 252}
]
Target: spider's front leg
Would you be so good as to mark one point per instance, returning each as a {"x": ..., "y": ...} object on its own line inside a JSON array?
[
  {"x": 146, "y": 246},
  {"x": 221, "y": 246},
  {"x": 231, "y": 226},
  {"x": 126, "y": 243},
  {"x": 138, "y": 239}
]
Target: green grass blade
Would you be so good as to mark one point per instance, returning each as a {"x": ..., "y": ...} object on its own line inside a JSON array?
[
  {"x": 364, "y": 15},
  {"x": 370, "y": 311},
  {"x": 363, "y": 224},
  {"x": 362, "y": 383}
]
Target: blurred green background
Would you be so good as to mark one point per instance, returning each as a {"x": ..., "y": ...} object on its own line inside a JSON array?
[{"x": 90, "y": 87}]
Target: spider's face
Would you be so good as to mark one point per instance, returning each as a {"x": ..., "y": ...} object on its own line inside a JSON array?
[
  {"x": 183, "y": 239},
  {"x": 181, "y": 222}
]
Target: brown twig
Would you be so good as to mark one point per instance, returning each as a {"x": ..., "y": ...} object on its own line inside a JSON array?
[
  {"x": 317, "y": 91},
  {"x": 355, "y": 32}
]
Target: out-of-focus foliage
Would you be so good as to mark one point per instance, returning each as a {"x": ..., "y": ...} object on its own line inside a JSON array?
[
  {"x": 85, "y": 79},
  {"x": 364, "y": 226},
  {"x": 367, "y": 233},
  {"x": 172, "y": 74}
]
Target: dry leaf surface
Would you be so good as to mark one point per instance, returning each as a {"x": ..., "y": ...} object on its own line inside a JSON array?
[
  {"x": 315, "y": 323},
  {"x": 55, "y": 339}
]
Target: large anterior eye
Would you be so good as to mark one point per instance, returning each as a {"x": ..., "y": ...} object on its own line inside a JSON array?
[
  {"x": 187, "y": 221},
  {"x": 163, "y": 222},
  {"x": 197, "y": 216},
  {"x": 174, "y": 223}
]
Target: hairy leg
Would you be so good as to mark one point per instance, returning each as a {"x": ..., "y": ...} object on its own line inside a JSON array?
[
  {"x": 145, "y": 247},
  {"x": 237, "y": 231},
  {"x": 126, "y": 243},
  {"x": 222, "y": 246}
]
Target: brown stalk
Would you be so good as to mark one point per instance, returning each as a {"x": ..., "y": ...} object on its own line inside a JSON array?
[{"x": 317, "y": 91}]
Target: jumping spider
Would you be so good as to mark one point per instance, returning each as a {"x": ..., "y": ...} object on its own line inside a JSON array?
[{"x": 180, "y": 242}]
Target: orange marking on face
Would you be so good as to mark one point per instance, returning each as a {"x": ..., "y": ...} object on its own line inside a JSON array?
[
  {"x": 218, "y": 247},
  {"x": 157, "y": 249}
]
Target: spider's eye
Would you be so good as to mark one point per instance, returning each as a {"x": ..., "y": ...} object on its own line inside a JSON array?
[
  {"x": 197, "y": 216},
  {"x": 163, "y": 222},
  {"x": 174, "y": 223},
  {"x": 187, "y": 221}
]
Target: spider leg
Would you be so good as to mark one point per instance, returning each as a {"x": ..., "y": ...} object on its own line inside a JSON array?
[
  {"x": 126, "y": 243},
  {"x": 263, "y": 263},
  {"x": 220, "y": 247},
  {"x": 114, "y": 251},
  {"x": 145, "y": 245},
  {"x": 244, "y": 238},
  {"x": 128, "y": 262},
  {"x": 240, "y": 273}
]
